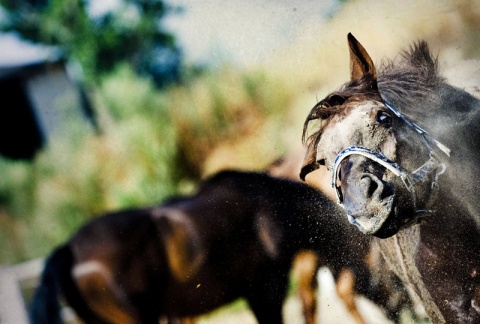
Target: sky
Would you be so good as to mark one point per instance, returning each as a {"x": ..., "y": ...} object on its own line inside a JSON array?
[
  {"x": 241, "y": 31},
  {"x": 248, "y": 31}
]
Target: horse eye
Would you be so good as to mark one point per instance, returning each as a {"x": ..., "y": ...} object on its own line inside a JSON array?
[{"x": 384, "y": 118}]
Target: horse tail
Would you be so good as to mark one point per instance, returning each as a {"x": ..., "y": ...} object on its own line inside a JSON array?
[
  {"x": 45, "y": 307},
  {"x": 56, "y": 279}
]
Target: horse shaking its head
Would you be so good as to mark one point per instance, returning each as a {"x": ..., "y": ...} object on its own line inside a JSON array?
[{"x": 384, "y": 167}]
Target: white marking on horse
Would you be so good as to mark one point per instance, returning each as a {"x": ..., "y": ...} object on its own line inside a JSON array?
[{"x": 89, "y": 267}]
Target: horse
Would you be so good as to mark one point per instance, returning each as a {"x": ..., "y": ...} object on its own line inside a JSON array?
[
  {"x": 235, "y": 237},
  {"x": 401, "y": 146}
]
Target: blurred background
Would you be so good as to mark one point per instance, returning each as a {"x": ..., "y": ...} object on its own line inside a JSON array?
[{"x": 108, "y": 104}]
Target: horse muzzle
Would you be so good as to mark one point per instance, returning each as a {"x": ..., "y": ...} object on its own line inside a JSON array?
[{"x": 371, "y": 204}]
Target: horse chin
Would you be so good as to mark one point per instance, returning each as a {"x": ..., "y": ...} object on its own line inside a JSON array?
[
  {"x": 374, "y": 218},
  {"x": 382, "y": 227}
]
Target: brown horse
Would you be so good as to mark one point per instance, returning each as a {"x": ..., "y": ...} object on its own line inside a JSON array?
[
  {"x": 399, "y": 181},
  {"x": 236, "y": 237}
]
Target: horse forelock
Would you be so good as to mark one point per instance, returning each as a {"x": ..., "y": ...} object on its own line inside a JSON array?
[{"x": 338, "y": 103}]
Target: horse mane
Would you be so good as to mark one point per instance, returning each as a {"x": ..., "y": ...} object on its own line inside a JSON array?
[
  {"x": 414, "y": 76},
  {"x": 338, "y": 102}
]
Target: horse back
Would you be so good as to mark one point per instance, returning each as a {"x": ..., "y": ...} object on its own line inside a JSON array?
[{"x": 284, "y": 216}]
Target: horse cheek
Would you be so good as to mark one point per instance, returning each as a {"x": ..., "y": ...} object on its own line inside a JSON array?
[{"x": 389, "y": 148}]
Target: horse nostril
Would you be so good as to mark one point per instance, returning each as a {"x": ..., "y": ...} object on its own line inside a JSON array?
[{"x": 369, "y": 185}]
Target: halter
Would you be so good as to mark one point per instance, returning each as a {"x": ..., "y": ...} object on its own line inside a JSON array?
[
  {"x": 408, "y": 179},
  {"x": 426, "y": 137}
]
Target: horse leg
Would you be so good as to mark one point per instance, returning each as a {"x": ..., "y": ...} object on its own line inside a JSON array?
[
  {"x": 267, "y": 295},
  {"x": 305, "y": 269},
  {"x": 101, "y": 293},
  {"x": 345, "y": 286}
]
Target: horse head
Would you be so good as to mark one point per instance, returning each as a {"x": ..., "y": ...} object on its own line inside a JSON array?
[{"x": 383, "y": 166}]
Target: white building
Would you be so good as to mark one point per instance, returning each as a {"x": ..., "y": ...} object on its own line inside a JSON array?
[{"x": 38, "y": 98}]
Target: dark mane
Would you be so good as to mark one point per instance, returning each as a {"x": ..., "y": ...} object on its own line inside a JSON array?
[{"x": 415, "y": 76}]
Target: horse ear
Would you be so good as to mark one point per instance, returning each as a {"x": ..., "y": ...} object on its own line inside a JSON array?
[{"x": 361, "y": 65}]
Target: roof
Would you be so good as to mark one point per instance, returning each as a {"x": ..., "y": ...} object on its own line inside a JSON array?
[{"x": 17, "y": 54}]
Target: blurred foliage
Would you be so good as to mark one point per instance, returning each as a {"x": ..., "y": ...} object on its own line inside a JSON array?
[
  {"x": 130, "y": 32},
  {"x": 225, "y": 109}
]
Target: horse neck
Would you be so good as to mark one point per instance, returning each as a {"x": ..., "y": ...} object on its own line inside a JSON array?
[
  {"x": 447, "y": 113},
  {"x": 451, "y": 218}
]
